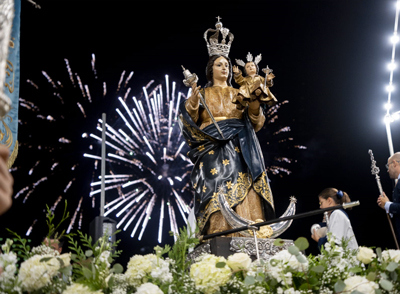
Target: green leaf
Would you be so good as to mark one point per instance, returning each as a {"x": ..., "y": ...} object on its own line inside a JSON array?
[
  {"x": 117, "y": 268},
  {"x": 371, "y": 276},
  {"x": 356, "y": 292},
  {"x": 318, "y": 268},
  {"x": 279, "y": 242},
  {"x": 66, "y": 270},
  {"x": 305, "y": 286},
  {"x": 87, "y": 273},
  {"x": 392, "y": 266},
  {"x": 355, "y": 269},
  {"x": 378, "y": 291},
  {"x": 88, "y": 253},
  {"x": 379, "y": 252},
  {"x": 301, "y": 243},
  {"x": 393, "y": 275},
  {"x": 339, "y": 286},
  {"x": 387, "y": 285},
  {"x": 220, "y": 264},
  {"x": 301, "y": 258},
  {"x": 249, "y": 280},
  {"x": 45, "y": 259},
  {"x": 260, "y": 278},
  {"x": 293, "y": 250}
]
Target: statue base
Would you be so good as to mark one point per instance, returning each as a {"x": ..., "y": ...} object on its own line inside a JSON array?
[{"x": 224, "y": 246}]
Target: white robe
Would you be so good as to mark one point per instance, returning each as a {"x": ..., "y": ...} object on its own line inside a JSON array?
[{"x": 340, "y": 226}]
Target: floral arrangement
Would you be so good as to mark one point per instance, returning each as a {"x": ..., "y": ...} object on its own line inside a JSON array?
[{"x": 90, "y": 268}]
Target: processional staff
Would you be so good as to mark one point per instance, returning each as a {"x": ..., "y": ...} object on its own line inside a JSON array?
[{"x": 375, "y": 171}]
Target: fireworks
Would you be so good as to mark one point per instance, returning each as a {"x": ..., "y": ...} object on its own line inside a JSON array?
[{"x": 145, "y": 154}]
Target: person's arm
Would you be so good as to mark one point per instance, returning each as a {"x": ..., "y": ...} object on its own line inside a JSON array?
[{"x": 6, "y": 181}]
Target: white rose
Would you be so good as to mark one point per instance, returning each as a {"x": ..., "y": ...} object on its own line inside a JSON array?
[
  {"x": 149, "y": 288},
  {"x": 360, "y": 284},
  {"x": 391, "y": 254},
  {"x": 365, "y": 255},
  {"x": 239, "y": 261}
]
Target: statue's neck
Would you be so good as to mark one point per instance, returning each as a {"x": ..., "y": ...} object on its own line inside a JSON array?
[{"x": 220, "y": 83}]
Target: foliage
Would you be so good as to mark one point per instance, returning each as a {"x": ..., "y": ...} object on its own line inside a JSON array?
[{"x": 89, "y": 269}]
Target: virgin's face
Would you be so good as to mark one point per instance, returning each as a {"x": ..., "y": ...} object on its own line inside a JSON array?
[
  {"x": 251, "y": 68},
  {"x": 221, "y": 69}
]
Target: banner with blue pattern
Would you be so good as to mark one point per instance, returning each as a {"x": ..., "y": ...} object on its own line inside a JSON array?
[{"x": 9, "y": 124}]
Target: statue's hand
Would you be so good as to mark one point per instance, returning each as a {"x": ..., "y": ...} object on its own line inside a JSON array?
[
  {"x": 195, "y": 97},
  {"x": 235, "y": 69},
  {"x": 270, "y": 77}
]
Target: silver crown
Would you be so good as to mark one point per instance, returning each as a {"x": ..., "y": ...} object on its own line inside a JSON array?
[
  {"x": 249, "y": 58},
  {"x": 215, "y": 48}
]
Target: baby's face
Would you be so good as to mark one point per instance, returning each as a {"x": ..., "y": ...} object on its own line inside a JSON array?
[{"x": 251, "y": 68}]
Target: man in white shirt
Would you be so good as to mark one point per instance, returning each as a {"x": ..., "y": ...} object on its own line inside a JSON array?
[{"x": 393, "y": 208}]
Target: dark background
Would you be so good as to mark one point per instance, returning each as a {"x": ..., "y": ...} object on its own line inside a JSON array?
[{"x": 329, "y": 58}]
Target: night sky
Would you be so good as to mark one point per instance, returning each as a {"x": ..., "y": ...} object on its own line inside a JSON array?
[{"x": 329, "y": 59}]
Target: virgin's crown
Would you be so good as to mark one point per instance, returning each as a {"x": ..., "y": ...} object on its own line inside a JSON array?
[{"x": 213, "y": 46}]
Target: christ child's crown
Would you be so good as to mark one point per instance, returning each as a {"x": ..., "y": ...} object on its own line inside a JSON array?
[{"x": 249, "y": 58}]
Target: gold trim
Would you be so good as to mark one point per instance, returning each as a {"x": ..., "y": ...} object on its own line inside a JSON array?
[
  {"x": 13, "y": 155},
  {"x": 217, "y": 119}
]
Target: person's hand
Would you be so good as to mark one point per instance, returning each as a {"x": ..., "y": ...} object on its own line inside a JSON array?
[
  {"x": 382, "y": 199},
  {"x": 315, "y": 236},
  {"x": 235, "y": 69},
  {"x": 6, "y": 181}
]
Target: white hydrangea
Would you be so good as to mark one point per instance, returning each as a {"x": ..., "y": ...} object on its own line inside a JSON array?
[
  {"x": 391, "y": 254},
  {"x": 80, "y": 289},
  {"x": 8, "y": 278},
  {"x": 160, "y": 270},
  {"x": 207, "y": 277},
  {"x": 35, "y": 274},
  {"x": 149, "y": 288},
  {"x": 140, "y": 266},
  {"x": 360, "y": 284}
]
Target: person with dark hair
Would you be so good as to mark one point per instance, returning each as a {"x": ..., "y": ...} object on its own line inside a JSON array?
[
  {"x": 252, "y": 85},
  {"x": 338, "y": 222},
  {"x": 232, "y": 163},
  {"x": 393, "y": 207},
  {"x": 54, "y": 242}
]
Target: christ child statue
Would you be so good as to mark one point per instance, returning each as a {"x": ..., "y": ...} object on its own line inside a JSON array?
[{"x": 253, "y": 86}]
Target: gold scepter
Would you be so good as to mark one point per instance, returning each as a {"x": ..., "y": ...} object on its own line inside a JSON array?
[
  {"x": 375, "y": 171},
  {"x": 188, "y": 81}
]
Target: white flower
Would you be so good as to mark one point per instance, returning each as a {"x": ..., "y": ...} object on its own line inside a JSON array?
[
  {"x": 207, "y": 277},
  {"x": 139, "y": 267},
  {"x": 149, "y": 288},
  {"x": 160, "y": 270},
  {"x": 286, "y": 259},
  {"x": 361, "y": 284},
  {"x": 365, "y": 255},
  {"x": 80, "y": 289},
  {"x": 35, "y": 274},
  {"x": 103, "y": 258},
  {"x": 291, "y": 291},
  {"x": 239, "y": 261},
  {"x": 391, "y": 254},
  {"x": 44, "y": 250}
]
